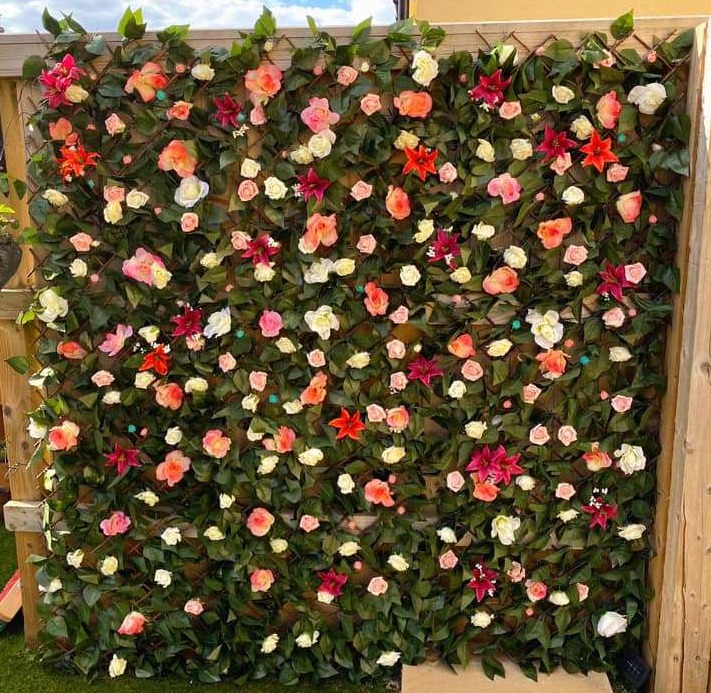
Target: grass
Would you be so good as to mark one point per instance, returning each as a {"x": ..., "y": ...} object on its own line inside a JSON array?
[{"x": 20, "y": 674}]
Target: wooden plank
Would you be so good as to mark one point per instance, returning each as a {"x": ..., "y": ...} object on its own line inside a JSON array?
[
  {"x": 15, "y": 48},
  {"x": 13, "y": 302},
  {"x": 684, "y": 603}
]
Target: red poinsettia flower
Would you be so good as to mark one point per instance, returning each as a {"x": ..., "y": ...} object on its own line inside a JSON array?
[
  {"x": 332, "y": 582},
  {"x": 599, "y": 152},
  {"x": 157, "y": 360},
  {"x": 189, "y": 324},
  {"x": 444, "y": 247},
  {"x": 483, "y": 581},
  {"x": 348, "y": 425},
  {"x": 421, "y": 161},
  {"x": 122, "y": 458},
  {"x": 424, "y": 370},
  {"x": 490, "y": 89},
  {"x": 600, "y": 511},
  {"x": 73, "y": 160},
  {"x": 227, "y": 111},
  {"x": 261, "y": 249},
  {"x": 555, "y": 144},
  {"x": 614, "y": 281},
  {"x": 494, "y": 464},
  {"x": 310, "y": 185}
]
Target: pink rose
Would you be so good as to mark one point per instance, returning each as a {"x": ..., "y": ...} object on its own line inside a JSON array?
[
  {"x": 63, "y": 436},
  {"x": 608, "y": 110},
  {"x": 621, "y": 403},
  {"x": 316, "y": 358},
  {"x": 398, "y": 381},
  {"x": 226, "y": 362},
  {"x": 448, "y": 560},
  {"x": 397, "y": 419},
  {"x": 375, "y": 413},
  {"x": 539, "y": 435},
  {"x": 536, "y": 590},
  {"x": 193, "y": 607},
  {"x": 114, "y": 125},
  {"x": 583, "y": 591},
  {"x": 258, "y": 380},
  {"x": 635, "y": 273},
  {"x": 472, "y": 370},
  {"x": 132, "y": 624},
  {"x": 531, "y": 393},
  {"x": 366, "y": 244},
  {"x": 509, "y": 109},
  {"x": 565, "y": 491},
  {"x": 117, "y": 523},
  {"x": 240, "y": 240},
  {"x": 82, "y": 242},
  {"x": 447, "y": 173},
  {"x": 378, "y": 585},
  {"x": 616, "y": 173},
  {"x": 575, "y": 255},
  {"x": 114, "y": 342},
  {"x": 259, "y": 522},
  {"x": 261, "y": 580},
  {"x": 516, "y": 573},
  {"x": 189, "y": 222},
  {"x": 370, "y": 104},
  {"x": 257, "y": 116},
  {"x": 309, "y": 523},
  {"x": 346, "y": 75},
  {"x": 561, "y": 164},
  {"x": 567, "y": 435},
  {"x": 102, "y": 378},
  {"x": 455, "y": 481},
  {"x": 615, "y": 317},
  {"x": 216, "y": 444},
  {"x": 114, "y": 193},
  {"x": 317, "y": 116},
  {"x": 270, "y": 323},
  {"x": 629, "y": 206},
  {"x": 396, "y": 349},
  {"x": 361, "y": 191},
  {"x": 506, "y": 187},
  {"x": 247, "y": 190},
  {"x": 400, "y": 315}
]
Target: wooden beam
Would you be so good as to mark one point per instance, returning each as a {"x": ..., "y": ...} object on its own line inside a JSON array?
[
  {"x": 13, "y": 302},
  {"x": 683, "y": 636}
]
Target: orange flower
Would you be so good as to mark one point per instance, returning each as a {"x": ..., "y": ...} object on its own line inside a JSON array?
[
  {"x": 552, "y": 363},
  {"x": 74, "y": 160},
  {"x": 503, "y": 280},
  {"x": 176, "y": 156},
  {"x": 263, "y": 83},
  {"x": 397, "y": 203},
  {"x": 553, "y": 231},
  {"x": 416, "y": 104},
  {"x": 284, "y": 439},
  {"x": 60, "y": 129},
  {"x": 71, "y": 350},
  {"x": 180, "y": 110},
  {"x": 216, "y": 444},
  {"x": 320, "y": 229},
  {"x": 485, "y": 491},
  {"x": 378, "y": 493},
  {"x": 315, "y": 393},
  {"x": 462, "y": 347},
  {"x": 147, "y": 81},
  {"x": 173, "y": 468},
  {"x": 170, "y": 396},
  {"x": 348, "y": 425},
  {"x": 376, "y": 302}
]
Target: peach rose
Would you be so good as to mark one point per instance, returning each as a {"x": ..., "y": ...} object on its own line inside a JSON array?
[
  {"x": 447, "y": 173},
  {"x": 317, "y": 116},
  {"x": 561, "y": 164},
  {"x": 226, "y": 362},
  {"x": 397, "y": 203},
  {"x": 484, "y": 491},
  {"x": 320, "y": 230},
  {"x": 510, "y": 109},
  {"x": 375, "y": 413},
  {"x": 82, "y": 242},
  {"x": 516, "y": 573},
  {"x": 170, "y": 396},
  {"x": 284, "y": 439},
  {"x": 635, "y": 273},
  {"x": 114, "y": 193},
  {"x": 270, "y": 323},
  {"x": 177, "y": 157},
  {"x": 378, "y": 493},
  {"x": 361, "y": 191},
  {"x": 565, "y": 491},
  {"x": 114, "y": 125},
  {"x": 553, "y": 231},
  {"x": 261, "y": 580},
  {"x": 376, "y": 300},
  {"x": 377, "y": 586},
  {"x": 173, "y": 468},
  {"x": 583, "y": 591},
  {"x": 462, "y": 347},
  {"x": 117, "y": 523},
  {"x": 472, "y": 370},
  {"x": 539, "y": 435},
  {"x": 189, "y": 222},
  {"x": 247, "y": 190},
  {"x": 616, "y": 173},
  {"x": 316, "y": 358},
  {"x": 629, "y": 206},
  {"x": 575, "y": 255},
  {"x": 346, "y": 75},
  {"x": 398, "y": 381},
  {"x": 536, "y": 590},
  {"x": 531, "y": 393},
  {"x": 455, "y": 481},
  {"x": 62, "y": 128},
  {"x": 132, "y": 624},
  {"x": 315, "y": 393},
  {"x": 621, "y": 403},
  {"x": 567, "y": 435},
  {"x": 415, "y": 104},
  {"x": 309, "y": 523},
  {"x": 397, "y": 419},
  {"x": 614, "y": 317},
  {"x": 552, "y": 363},
  {"x": 259, "y": 522},
  {"x": 448, "y": 560},
  {"x": 597, "y": 459},
  {"x": 400, "y": 315},
  {"x": 608, "y": 110},
  {"x": 396, "y": 349},
  {"x": 370, "y": 104},
  {"x": 102, "y": 378},
  {"x": 193, "y": 607},
  {"x": 180, "y": 110},
  {"x": 147, "y": 81},
  {"x": 71, "y": 350},
  {"x": 263, "y": 83},
  {"x": 258, "y": 380},
  {"x": 366, "y": 244},
  {"x": 216, "y": 444},
  {"x": 503, "y": 280},
  {"x": 64, "y": 436}
]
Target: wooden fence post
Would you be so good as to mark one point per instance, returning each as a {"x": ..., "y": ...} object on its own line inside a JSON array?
[{"x": 14, "y": 389}]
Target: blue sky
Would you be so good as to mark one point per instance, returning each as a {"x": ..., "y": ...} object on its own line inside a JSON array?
[{"x": 18, "y": 16}]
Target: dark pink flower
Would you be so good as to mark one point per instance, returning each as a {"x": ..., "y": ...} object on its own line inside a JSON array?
[
  {"x": 424, "y": 370},
  {"x": 490, "y": 89}
]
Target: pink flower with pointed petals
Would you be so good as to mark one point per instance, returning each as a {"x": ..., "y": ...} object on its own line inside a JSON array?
[{"x": 114, "y": 342}]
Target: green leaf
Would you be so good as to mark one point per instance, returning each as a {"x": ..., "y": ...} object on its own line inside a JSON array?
[
  {"x": 50, "y": 23},
  {"x": 312, "y": 25},
  {"x": 132, "y": 25},
  {"x": 492, "y": 667},
  {"x": 361, "y": 32},
  {"x": 623, "y": 26},
  {"x": 265, "y": 26},
  {"x": 32, "y": 67},
  {"x": 19, "y": 364},
  {"x": 56, "y": 627}
]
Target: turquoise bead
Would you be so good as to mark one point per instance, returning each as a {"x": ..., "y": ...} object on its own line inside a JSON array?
[
  {"x": 240, "y": 334},
  {"x": 161, "y": 95},
  {"x": 621, "y": 137},
  {"x": 585, "y": 360},
  {"x": 360, "y": 289},
  {"x": 273, "y": 399},
  {"x": 516, "y": 324},
  {"x": 132, "y": 428}
]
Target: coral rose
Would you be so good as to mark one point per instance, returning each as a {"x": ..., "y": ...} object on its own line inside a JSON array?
[
  {"x": 397, "y": 203},
  {"x": 71, "y": 350},
  {"x": 216, "y": 444},
  {"x": 536, "y": 590},
  {"x": 170, "y": 396},
  {"x": 553, "y": 231},
  {"x": 263, "y": 83},
  {"x": 132, "y": 624},
  {"x": 261, "y": 580},
  {"x": 472, "y": 370},
  {"x": 397, "y": 418},
  {"x": 629, "y": 206},
  {"x": 177, "y": 157},
  {"x": 608, "y": 110},
  {"x": 462, "y": 347},
  {"x": 415, "y": 104},
  {"x": 376, "y": 301},
  {"x": 484, "y": 491},
  {"x": 378, "y": 493},
  {"x": 117, "y": 523},
  {"x": 320, "y": 230},
  {"x": 552, "y": 363},
  {"x": 173, "y": 468},
  {"x": 503, "y": 280},
  {"x": 259, "y": 522},
  {"x": 64, "y": 436}
]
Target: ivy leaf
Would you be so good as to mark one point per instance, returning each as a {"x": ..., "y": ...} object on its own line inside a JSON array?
[
  {"x": 32, "y": 67},
  {"x": 265, "y": 26},
  {"x": 50, "y": 23},
  {"x": 362, "y": 31},
  {"x": 19, "y": 364},
  {"x": 623, "y": 26},
  {"x": 132, "y": 25},
  {"x": 492, "y": 667},
  {"x": 56, "y": 627}
]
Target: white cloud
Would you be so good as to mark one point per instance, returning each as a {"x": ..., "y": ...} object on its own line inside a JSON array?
[{"x": 213, "y": 14}]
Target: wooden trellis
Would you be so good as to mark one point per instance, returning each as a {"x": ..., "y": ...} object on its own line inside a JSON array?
[{"x": 679, "y": 643}]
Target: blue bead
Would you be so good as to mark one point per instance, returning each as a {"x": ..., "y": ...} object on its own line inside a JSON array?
[
  {"x": 160, "y": 95},
  {"x": 516, "y": 324},
  {"x": 585, "y": 360},
  {"x": 240, "y": 334},
  {"x": 132, "y": 428},
  {"x": 273, "y": 399},
  {"x": 621, "y": 137},
  {"x": 360, "y": 289},
  {"x": 241, "y": 118}
]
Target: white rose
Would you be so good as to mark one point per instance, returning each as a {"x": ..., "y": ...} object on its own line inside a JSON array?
[
  {"x": 54, "y": 306},
  {"x": 267, "y": 464},
  {"x": 161, "y": 277},
  {"x": 278, "y": 545},
  {"x": 504, "y": 528},
  {"x": 562, "y": 94},
  {"x": 406, "y": 140},
  {"x": 515, "y": 257},
  {"x": 631, "y": 532},
  {"x": 264, "y": 273},
  {"x": 475, "y": 429},
  {"x": 481, "y": 619},
  {"x": 250, "y": 402},
  {"x": 111, "y": 397},
  {"x": 425, "y": 68},
  {"x": 611, "y": 623},
  {"x": 143, "y": 380},
  {"x": 485, "y": 151},
  {"x": 349, "y": 548},
  {"x": 190, "y": 191},
  {"x": 210, "y": 260},
  {"x": 409, "y": 275},
  {"x": 55, "y": 585},
  {"x": 521, "y": 149},
  {"x": 269, "y": 644},
  {"x": 447, "y": 535},
  {"x": 113, "y": 212},
  {"x": 322, "y": 321},
  {"x": 55, "y": 198},
  {"x": 393, "y": 454},
  {"x": 148, "y": 497},
  {"x": 117, "y": 666},
  {"x": 274, "y": 189},
  {"x": 196, "y": 385},
  {"x": 344, "y": 266},
  {"x": 525, "y": 482},
  {"x": 582, "y": 128},
  {"x": 461, "y": 275},
  {"x": 285, "y": 345},
  {"x": 171, "y": 536},
  {"x": 74, "y": 558},
  {"x": 503, "y": 51},
  {"x": 397, "y": 562},
  {"x": 135, "y": 199},
  {"x": 559, "y": 598},
  {"x": 150, "y": 333},
  {"x": 648, "y": 98},
  {"x": 173, "y": 435},
  {"x": 163, "y": 577},
  {"x": 202, "y": 72},
  {"x": 573, "y": 278},
  {"x": 218, "y": 324},
  {"x": 457, "y": 389},
  {"x": 619, "y": 354},
  {"x": 311, "y": 457},
  {"x": 253, "y": 435},
  {"x": 226, "y": 500},
  {"x": 320, "y": 144},
  {"x": 546, "y": 329},
  {"x": 573, "y": 195},
  {"x": 108, "y": 566},
  {"x": 630, "y": 458},
  {"x": 250, "y": 168},
  {"x": 293, "y": 407},
  {"x": 345, "y": 483},
  {"x": 499, "y": 347},
  {"x": 483, "y": 231},
  {"x": 389, "y": 659},
  {"x": 302, "y": 155},
  {"x": 568, "y": 515},
  {"x": 76, "y": 94},
  {"x": 425, "y": 228},
  {"x": 318, "y": 271},
  {"x": 214, "y": 533},
  {"x": 36, "y": 430},
  {"x": 307, "y": 640},
  {"x": 359, "y": 360}
]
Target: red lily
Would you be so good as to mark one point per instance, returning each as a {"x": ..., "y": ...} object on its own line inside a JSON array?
[
  {"x": 494, "y": 464},
  {"x": 56, "y": 81},
  {"x": 332, "y": 582},
  {"x": 310, "y": 185},
  {"x": 157, "y": 360},
  {"x": 348, "y": 425},
  {"x": 189, "y": 324},
  {"x": 122, "y": 458},
  {"x": 261, "y": 249},
  {"x": 555, "y": 144},
  {"x": 483, "y": 581},
  {"x": 490, "y": 89},
  {"x": 424, "y": 370},
  {"x": 599, "y": 152},
  {"x": 444, "y": 247},
  {"x": 227, "y": 112},
  {"x": 74, "y": 160},
  {"x": 421, "y": 161},
  {"x": 613, "y": 281},
  {"x": 600, "y": 511}
]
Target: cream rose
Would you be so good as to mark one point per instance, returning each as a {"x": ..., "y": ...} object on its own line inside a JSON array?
[
  {"x": 76, "y": 94},
  {"x": 321, "y": 143},
  {"x": 582, "y": 128},
  {"x": 425, "y": 68},
  {"x": 619, "y": 354},
  {"x": 630, "y": 458},
  {"x": 250, "y": 168},
  {"x": 461, "y": 275},
  {"x": 562, "y": 94},
  {"x": 311, "y": 457},
  {"x": 117, "y": 666},
  {"x": 631, "y": 532},
  {"x": 322, "y": 321},
  {"x": 359, "y": 360},
  {"x": 409, "y": 275},
  {"x": 515, "y": 257},
  {"x": 483, "y": 231},
  {"x": 573, "y": 195},
  {"x": 425, "y": 228},
  {"x": 475, "y": 429},
  {"x": 113, "y": 212},
  {"x": 457, "y": 389},
  {"x": 521, "y": 149},
  {"x": 573, "y": 278},
  {"x": 499, "y": 347},
  {"x": 190, "y": 191},
  {"x": 275, "y": 189},
  {"x": 397, "y": 562},
  {"x": 55, "y": 198},
  {"x": 648, "y": 98},
  {"x": 504, "y": 528},
  {"x": 393, "y": 454},
  {"x": 345, "y": 483},
  {"x": 611, "y": 623},
  {"x": 135, "y": 199},
  {"x": 302, "y": 155},
  {"x": 485, "y": 151},
  {"x": 202, "y": 72},
  {"x": 406, "y": 140}
]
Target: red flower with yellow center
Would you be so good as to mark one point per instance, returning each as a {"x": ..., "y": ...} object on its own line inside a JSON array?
[
  {"x": 348, "y": 425},
  {"x": 599, "y": 152},
  {"x": 421, "y": 161}
]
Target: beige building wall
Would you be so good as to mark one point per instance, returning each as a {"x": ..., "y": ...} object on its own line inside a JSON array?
[{"x": 502, "y": 10}]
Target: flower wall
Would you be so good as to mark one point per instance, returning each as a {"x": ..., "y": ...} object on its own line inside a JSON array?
[{"x": 353, "y": 362}]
